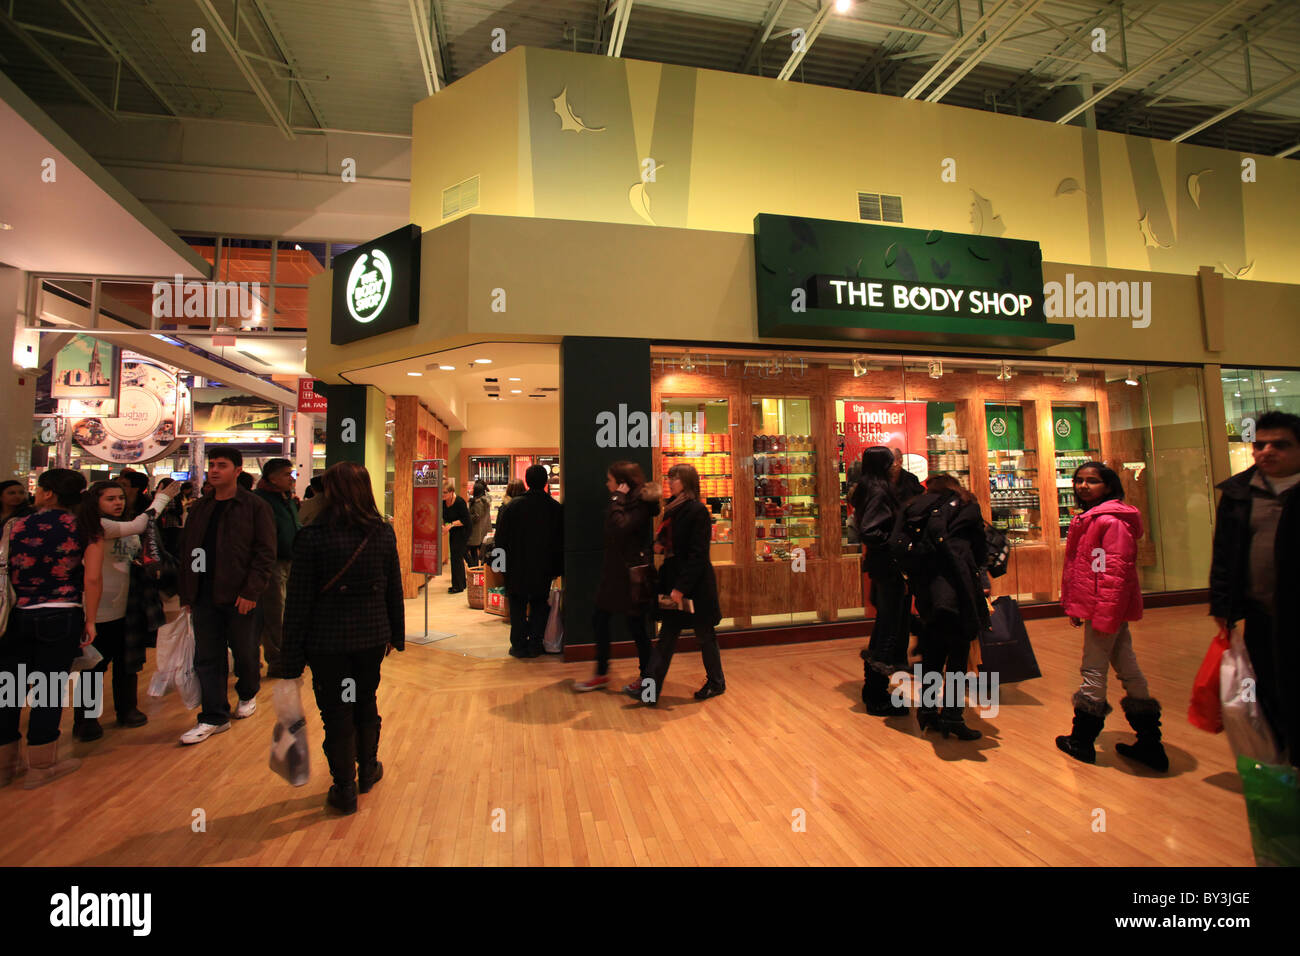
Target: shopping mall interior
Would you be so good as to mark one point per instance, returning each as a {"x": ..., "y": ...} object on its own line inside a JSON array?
[{"x": 454, "y": 241}]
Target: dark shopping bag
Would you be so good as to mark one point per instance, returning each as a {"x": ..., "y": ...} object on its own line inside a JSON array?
[
  {"x": 1005, "y": 648},
  {"x": 1273, "y": 808}
]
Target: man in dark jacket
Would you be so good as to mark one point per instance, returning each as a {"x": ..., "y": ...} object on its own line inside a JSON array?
[
  {"x": 227, "y": 555},
  {"x": 906, "y": 485},
  {"x": 1253, "y": 574},
  {"x": 276, "y": 489},
  {"x": 531, "y": 531}
]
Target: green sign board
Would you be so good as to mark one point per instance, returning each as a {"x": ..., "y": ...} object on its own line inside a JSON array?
[
  {"x": 1069, "y": 428},
  {"x": 819, "y": 278},
  {"x": 1006, "y": 427}
]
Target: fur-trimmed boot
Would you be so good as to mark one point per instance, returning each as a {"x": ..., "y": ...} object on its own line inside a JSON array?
[
  {"x": 12, "y": 764},
  {"x": 1089, "y": 716},
  {"x": 1143, "y": 715},
  {"x": 46, "y": 765}
]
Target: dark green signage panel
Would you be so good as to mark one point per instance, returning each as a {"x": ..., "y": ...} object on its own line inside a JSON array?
[
  {"x": 376, "y": 286},
  {"x": 1070, "y": 426},
  {"x": 819, "y": 278}
]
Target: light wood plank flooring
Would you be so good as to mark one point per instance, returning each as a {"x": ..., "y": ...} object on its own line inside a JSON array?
[{"x": 597, "y": 780}]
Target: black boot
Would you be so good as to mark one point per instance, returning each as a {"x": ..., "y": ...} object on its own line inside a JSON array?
[
  {"x": 86, "y": 729},
  {"x": 950, "y": 722},
  {"x": 1143, "y": 715},
  {"x": 927, "y": 717},
  {"x": 369, "y": 770},
  {"x": 1089, "y": 716},
  {"x": 875, "y": 692},
  {"x": 341, "y": 754}
]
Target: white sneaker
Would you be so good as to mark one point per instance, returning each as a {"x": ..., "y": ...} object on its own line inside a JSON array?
[
  {"x": 246, "y": 708},
  {"x": 201, "y": 732}
]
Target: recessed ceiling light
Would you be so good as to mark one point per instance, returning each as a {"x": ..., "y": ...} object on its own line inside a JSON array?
[
  {"x": 482, "y": 361},
  {"x": 5, "y": 227},
  {"x": 415, "y": 374},
  {"x": 447, "y": 368},
  {"x": 516, "y": 380},
  {"x": 516, "y": 391}
]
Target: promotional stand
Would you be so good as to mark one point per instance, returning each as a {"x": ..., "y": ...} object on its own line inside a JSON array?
[{"x": 426, "y": 533}]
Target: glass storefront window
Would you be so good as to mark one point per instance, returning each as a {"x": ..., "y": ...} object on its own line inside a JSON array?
[{"x": 1249, "y": 393}]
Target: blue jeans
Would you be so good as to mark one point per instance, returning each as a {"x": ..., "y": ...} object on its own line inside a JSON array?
[{"x": 46, "y": 641}]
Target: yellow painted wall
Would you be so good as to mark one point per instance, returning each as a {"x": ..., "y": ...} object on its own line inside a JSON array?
[
  {"x": 512, "y": 425},
  {"x": 733, "y": 146}
]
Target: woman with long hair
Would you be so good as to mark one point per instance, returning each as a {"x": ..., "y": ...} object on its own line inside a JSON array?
[
  {"x": 874, "y": 500},
  {"x": 687, "y": 585},
  {"x": 13, "y": 501},
  {"x": 627, "y": 569},
  {"x": 950, "y": 597},
  {"x": 54, "y": 567},
  {"x": 120, "y": 645},
  {"x": 1100, "y": 591},
  {"x": 344, "y": 612},
  {"x": 480, "y": 517}
]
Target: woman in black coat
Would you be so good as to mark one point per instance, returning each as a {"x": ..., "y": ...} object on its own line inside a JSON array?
[
  {"x": 950, "y": 597},
  {"x": 875, "y": 505},
  {"x": 343, "y": 613},
  {"x": 455, "y": 517},
  {"x": 627, "y": 569},
  {"x": 686, "y": 575}
]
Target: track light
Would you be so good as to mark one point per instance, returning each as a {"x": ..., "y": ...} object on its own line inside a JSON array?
[
  {"x": 1071, "y": 375},
  {"x": 1005, "y": 373},
  {"x": 936, "y": 369},
  {"x": 859, "y": 366},
  {"x": 688, "y": 363},
  {"x": 1130, "y": 380}
]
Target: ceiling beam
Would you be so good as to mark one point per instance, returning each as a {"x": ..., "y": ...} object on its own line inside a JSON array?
[
  {"x": 442, "y": 60},
  {"x": 953, "y": 52},
  {"x": 1275, "y": 89},
  {"x": 289, "y": 63},
  {"x": 1030, "y": 77},
  {"x": 96, "y": 29},
  {"x": 948, "y": 31},
  {"x": 774, "y": 11},
  {"x": 250, "y": 75},
  {"x": 1287, "y": 152},
  {"x": 53, "y": 63},
  {"x": 910, "y": 42},
  {"x": 622, "y": 13},
  {"x": 809, "y": 38},
  {"x": 423, "y": 43},
  {"x": 1154, "y": 58},
  {"x": 984, "y": 50}
]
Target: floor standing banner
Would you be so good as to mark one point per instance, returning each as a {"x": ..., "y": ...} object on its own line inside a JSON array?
[{"x": 426, "y": 515}]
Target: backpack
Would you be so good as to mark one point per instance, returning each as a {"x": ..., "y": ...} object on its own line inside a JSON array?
[
  {"x": 999, "y": 549},
  {"x": 916, "y": 542}
]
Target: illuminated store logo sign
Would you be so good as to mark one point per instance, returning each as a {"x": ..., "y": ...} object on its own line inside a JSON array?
[
  {"x": 1063, "y": 427},
  {"x": 827, "y": 279},
  {"x": 376, "y": 287},
  {"x": 369, "y": 283}
]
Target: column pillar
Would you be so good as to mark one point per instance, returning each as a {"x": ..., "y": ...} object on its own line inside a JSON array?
[
  {"x": 304, "y": 431},
  {"x": 354, "y": 430},
  {"x": 18, "y": 387}
]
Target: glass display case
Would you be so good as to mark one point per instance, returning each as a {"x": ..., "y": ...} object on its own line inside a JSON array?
[
  {"x": 785, "y": 479},
  {"x": 1013, "y": 471}
]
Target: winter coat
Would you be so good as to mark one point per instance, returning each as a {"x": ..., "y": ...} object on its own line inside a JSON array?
[
  {"x": 284, "y": 510},
  {"x": 628, "y": 524},
  {"x": 480, "y": 516},
  {"x": 953, "y": 588},
  {"x": 457, "y": 537},
  {"x": 1111, "y": 595},
  {"x": 1230, "y": 561},
  {"x": 245, "y": 552},
  {"x": 875, "y": 505},
  {"x": 531, "y": 531},
  {"x": 364, "y": 609},
  {"x": 688, "y": 569}
]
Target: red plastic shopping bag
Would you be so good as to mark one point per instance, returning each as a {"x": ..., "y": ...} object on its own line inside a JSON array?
[{"x": 1206, "y": 710}]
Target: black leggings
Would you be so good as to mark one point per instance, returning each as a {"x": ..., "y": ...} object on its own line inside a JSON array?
[
  {"x": 110, "y": 640},
  {"x": 945, "y": 648},
  {"x": 636, "y": 626}
]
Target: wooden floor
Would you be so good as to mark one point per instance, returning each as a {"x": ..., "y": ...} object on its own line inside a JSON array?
[{"x": 597, "y": 780}]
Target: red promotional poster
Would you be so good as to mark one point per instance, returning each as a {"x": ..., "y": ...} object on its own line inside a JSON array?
[
  {"x": 426, "y": 516},
  {"x": 892, "y": 424},
  {"x": 308, "y": 401}
]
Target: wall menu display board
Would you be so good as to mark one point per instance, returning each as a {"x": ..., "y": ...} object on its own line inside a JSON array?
[
  {"x": 86, "y": 368},
  {"x": 426, "y": 512},
  {"x": 152, "y": 408}
]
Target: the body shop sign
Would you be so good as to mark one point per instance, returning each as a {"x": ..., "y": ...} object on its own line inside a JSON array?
[
  {"x": 376, "y": 287},
  {"x": 898, "y": 425}
]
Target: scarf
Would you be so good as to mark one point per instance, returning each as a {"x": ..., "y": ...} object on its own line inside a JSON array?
[{"x": 664, "y": 533}]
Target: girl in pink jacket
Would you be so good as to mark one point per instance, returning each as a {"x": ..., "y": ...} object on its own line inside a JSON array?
[{"x": 1100, "y": 591}]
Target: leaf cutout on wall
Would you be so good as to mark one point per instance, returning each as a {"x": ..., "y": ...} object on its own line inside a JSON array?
[
  {"x": 933, "y": 236},
  {"x": 640, "y": 201},
  {"x": 891, "y": 254},
  {"x": 857, "y": 270},
  {"x": 1068, "y": 185},
  {"x": 567, "y": 119},
  {"x": 981, "y": 258},
  {"x": 1194, "y": 186},
  {"x": 1148, "y": 236},
  {"x": 940, "y": 269},
  {"x": 906, "y": 267},
  {"x": 982, "y": 217},
  {"x": 1241, "y": 273}
]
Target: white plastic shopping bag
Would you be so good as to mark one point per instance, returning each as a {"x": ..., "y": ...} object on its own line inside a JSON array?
[
  {"x": 553, "y": 639},
  {"x": 1243, "y": 719},
  {"x": 289, "y": 756},
  {"x": 169, "y": 637}
]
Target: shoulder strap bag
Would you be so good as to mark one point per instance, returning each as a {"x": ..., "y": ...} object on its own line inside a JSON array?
[{"x": 344, "y": 570}]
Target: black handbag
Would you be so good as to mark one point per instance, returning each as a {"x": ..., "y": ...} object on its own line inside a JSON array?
[
  {"x": 1005, "y": 648},
  {"x": 641, "y": 585}
]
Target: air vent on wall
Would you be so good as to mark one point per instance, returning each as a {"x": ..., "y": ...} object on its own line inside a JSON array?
[
  {"x": 459, "y": 198},
  {"x": 250, "y": 355},
  {"x": 878, "y": 207}
]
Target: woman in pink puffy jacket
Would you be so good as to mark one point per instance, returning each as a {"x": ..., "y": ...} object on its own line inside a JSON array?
[{"x": 1100, "y": 591}]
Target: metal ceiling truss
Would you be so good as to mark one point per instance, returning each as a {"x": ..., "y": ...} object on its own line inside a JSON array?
[
  {"x": 54, "y": 64},
  {"x": 984, "y": 50},
  {"x": 1275, "y": 89},
  {"x": 245, "y": 67},
  {"x": 753, "y": 57},
  {"x": 1032, "y": 77},
  {"x": 618, "y": 31},
  {"x": 908, "y": 44},
  {"x": 954, "y": 51},
  {"x": 288, "y": 63},
  {"x": 425, "y": 44},
  {"x": 96, "y": 29},
  {"x": 810, "y": 35}
]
